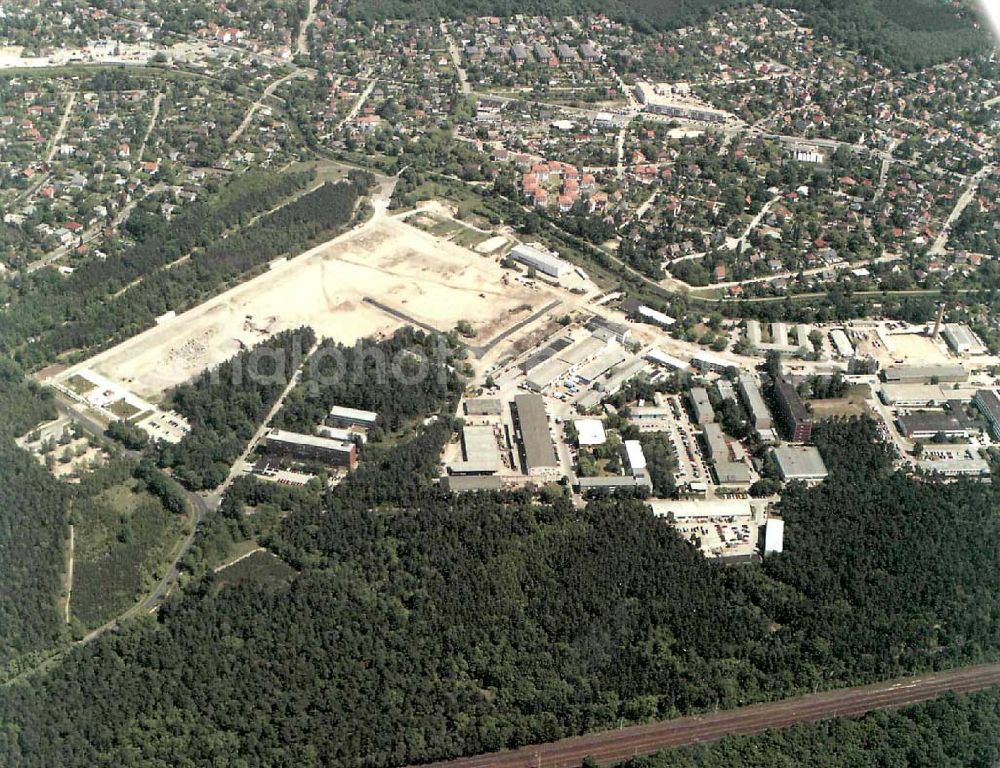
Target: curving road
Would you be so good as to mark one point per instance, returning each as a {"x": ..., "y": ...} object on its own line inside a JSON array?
[{"x": 608, "y": 747}]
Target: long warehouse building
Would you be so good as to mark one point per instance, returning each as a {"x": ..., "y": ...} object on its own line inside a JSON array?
[
  {"x": 536, "y": 440},
  {"x": 544, "y": 262}
]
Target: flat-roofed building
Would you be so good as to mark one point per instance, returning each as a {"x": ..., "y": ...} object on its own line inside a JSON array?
[
  {"x": 967, "y": 465},
  {"x": 709, "y": 509},
  {"x": 925, "y": 374},
  {"x": 547, "y": 352},
  {"x": 482, "y": 406},
  {"x": 753, "y": 401},
  {"x": 779, "y": 334},
  {"x": 732, "y": 473},
  {"x": 701, "y": 405},
  {"x": 465, "y": 483},
  {"x": 754, "y": 334},
  {"x": 342, "y": 434},
  {"x": 962, "y": 340},
  {"x": 341, "y": 416},
  {"x": 609, "y": 330},
  {"x": 802, "y": 336},
  {"x": 590, "y": 432},
  {"x": 710, "y": 363},
  {"x": 480, "y": 451},
  {"x": 658, "y": 356},
  {"x": 627, "y": 370},
  {"x": 716, "y": 445},
  {"x": 543, "y": 376},
  {"x": 924, "y": 425},
  {"x": 636, "y": 458},
  {"x": 614, "y": 483},
  {"x": 543, "y": 262},
  {"x": 799, "y": 462},
  {"x": 774, "y": 535},
  {"x": 656, "y": 317},
  {"x": 312, "y": 448},
  {"x": 988, "y": 403},
  {"x": 841, "y": 343},
  {"x": 914, "y": 395},
  {"x": 726, "y": 391},
  {"x": 593, "y": 370},
  {"x": 583, "y": 351},
  {"x": 797, "y": 421},
  {"x": 651, "y": 418},
  {"x": 643, "y": 413},
  {"x": 532, "y": 422}
]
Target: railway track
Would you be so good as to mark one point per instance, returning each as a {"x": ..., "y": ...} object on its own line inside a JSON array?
[{"x": 609, "y": 747}]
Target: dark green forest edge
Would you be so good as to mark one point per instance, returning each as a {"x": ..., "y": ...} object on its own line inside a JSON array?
[
  {"x": 904, "y": 34},
  {"x": 423, "y": 625},
  {"x": 953, "y": 732},
  {"x": 247, "y": 222}
]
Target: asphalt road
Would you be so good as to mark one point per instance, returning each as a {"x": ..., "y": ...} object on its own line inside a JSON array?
[{"x": 609, "y": 747}]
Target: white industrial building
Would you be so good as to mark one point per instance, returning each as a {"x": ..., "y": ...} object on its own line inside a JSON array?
[
  {"x": 962, "y": 340},
  {"x": 774, "y": 535},
  {"x": 657, "y": 317},
  {"x": 779, "y": 334},
  {"x": 799, "y": 462},
  {"x": 841, "y": 343},
  {"x": 636, "y": 458},
  {"x": 921, "y": 395},
  {"x": 590, "y": 432},
  {"x": 544, "y": 262},
  {"x": 658, "y": 356}
]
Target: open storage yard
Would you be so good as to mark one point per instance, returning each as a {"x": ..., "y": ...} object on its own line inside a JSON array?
[{"x": 410, "y": 272}]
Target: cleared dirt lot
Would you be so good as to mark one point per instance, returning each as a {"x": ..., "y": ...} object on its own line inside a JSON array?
[
  {"x": 915, "y": 349},
  {"x": 422, "y": 276}
]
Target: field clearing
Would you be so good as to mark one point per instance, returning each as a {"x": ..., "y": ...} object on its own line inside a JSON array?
[
  {"x": 852, "y": 405},
  {"x": 262, "y": 568},
  {"x": 424, "y": 277},
  {"x": 123, "y": 534}
]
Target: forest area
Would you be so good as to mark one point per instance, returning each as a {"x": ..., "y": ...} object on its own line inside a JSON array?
[
  {"x": 425, "y": 625},
  {"x": 225, "y": 405},
  {"x": 412, "y": 373},
  {"x": 952, "y": 732}
]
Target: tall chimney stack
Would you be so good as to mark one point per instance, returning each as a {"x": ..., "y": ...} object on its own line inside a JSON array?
[{"x": 937, "y": 323}]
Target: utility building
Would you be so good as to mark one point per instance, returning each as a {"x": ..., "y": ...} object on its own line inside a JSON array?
[
  {"x": 312, "y": 448},
  {"x": 341, "y": 416}
]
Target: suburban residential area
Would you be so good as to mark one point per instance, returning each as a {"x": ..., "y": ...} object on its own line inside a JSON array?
[{"x": 471, "y": 384}]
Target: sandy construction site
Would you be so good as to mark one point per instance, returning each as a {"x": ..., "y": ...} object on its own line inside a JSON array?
[{"x": 410, "y": 273}]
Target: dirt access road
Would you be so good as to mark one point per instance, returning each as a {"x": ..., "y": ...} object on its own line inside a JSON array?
[{"x": 609, "y": 747}]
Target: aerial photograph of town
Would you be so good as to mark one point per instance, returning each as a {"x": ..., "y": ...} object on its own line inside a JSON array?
[{"x": 476, "y": 383}]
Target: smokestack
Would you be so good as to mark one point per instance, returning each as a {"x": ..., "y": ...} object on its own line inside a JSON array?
[{"x": 937, "y": 323}]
